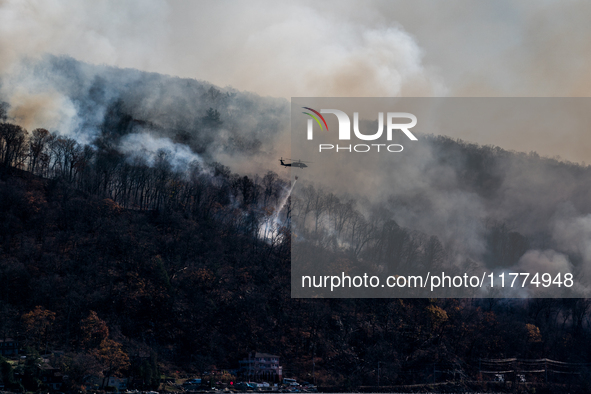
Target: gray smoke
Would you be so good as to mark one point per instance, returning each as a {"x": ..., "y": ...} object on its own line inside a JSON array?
[
  {"x": 139, "y": 111},
  {"x": 492, "y": 209},
  {"x": 377, "y": 48}
]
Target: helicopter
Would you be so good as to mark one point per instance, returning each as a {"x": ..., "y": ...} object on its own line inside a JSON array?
[{"x": 296, "y": 163}]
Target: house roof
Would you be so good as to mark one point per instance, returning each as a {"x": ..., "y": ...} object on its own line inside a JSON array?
[
  {"x": 266, "y": 355},
  {"x": 48, "y": 367}
]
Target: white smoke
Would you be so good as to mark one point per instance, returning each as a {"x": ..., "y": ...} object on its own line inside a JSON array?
[
  {"x": 572, "y": 233},
  {"x": 45, "y": 108},
  {"x": 98, "y": 32},
  {"x": 146, "y": 146},
  {"x": 106, "y": 32},
  {"x": 544, "y": 261},
  {"x": 311, "y": 55},
  {"x": 278, "y": 49},
  {"x": 319, "y": 48},
  {"x": 283, "y": 50}
]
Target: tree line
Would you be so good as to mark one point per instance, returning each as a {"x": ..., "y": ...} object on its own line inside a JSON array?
[{"x": 133, "y": 182}]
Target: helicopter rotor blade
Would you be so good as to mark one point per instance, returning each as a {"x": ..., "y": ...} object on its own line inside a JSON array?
[{"x": 297, "y": 160}]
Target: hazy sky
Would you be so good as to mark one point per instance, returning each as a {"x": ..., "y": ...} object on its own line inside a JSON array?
[
  {"x": 334, "y": 48},
  {"x": 345, "y": 48}
]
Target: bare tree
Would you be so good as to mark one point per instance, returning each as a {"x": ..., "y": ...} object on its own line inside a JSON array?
[
  {"x": 12, "y": 144},
  {"x": 3, "y": 111},
  {"x": 37, "y": 146}
]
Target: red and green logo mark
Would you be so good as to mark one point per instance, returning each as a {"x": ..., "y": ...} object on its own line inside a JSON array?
[{"x": 315, "y": 117}]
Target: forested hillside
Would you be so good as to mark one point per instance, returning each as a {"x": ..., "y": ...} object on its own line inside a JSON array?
[
  {"x": 127, "y": 250},
  {"x": 128, "y": 268},
  {"x": 142, "y": 112}
]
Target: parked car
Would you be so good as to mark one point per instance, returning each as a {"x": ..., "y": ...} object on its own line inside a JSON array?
[{"x": 245, "y": 386}]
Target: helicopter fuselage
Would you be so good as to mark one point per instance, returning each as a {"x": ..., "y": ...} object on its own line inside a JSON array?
[{"x": 297, "y": 164}]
